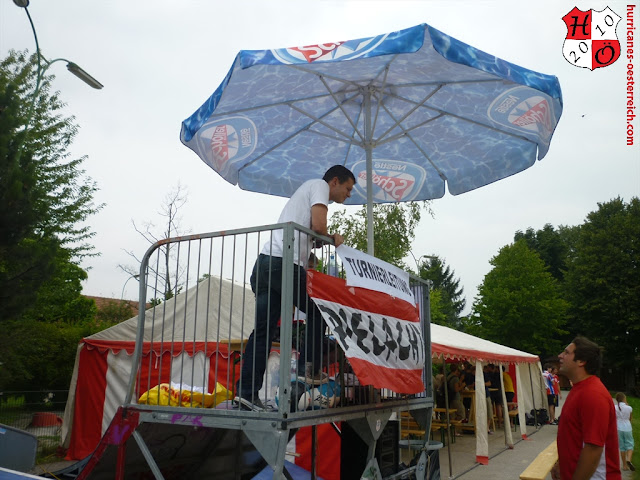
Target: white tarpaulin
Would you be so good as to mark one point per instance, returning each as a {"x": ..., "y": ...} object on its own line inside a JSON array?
[
  {"x": 211, "y": 313},
  {"x": 452, "y": 345}
]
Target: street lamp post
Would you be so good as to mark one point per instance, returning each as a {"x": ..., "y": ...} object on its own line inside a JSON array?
[
  {"x": 125, "y": 285},
  {"x": 71, "y": 66},
  {"x": 432, "y": 257}
]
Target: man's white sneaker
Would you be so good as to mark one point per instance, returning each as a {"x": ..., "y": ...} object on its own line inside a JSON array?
[{"x": 247, "y": 404}]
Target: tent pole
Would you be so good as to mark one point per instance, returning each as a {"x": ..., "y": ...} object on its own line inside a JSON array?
[
  {"x": 446, "y": 406},
  {"x": 533, "y": 397}
]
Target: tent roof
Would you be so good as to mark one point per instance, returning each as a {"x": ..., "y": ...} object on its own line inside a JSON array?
[
  {"x": 191, "y": 313},
  {"x": 453, "y": 344}
]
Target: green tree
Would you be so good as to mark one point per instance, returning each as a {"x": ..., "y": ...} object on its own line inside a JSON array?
[
  {"x": 519, "y": 303},
  {"x": 45, "y": 202},
  {"x": 59, "y": 298},
  {"x": 36, "y": 355},
  {"x": 553, "y": 246},
  {"x": 603, "y": 282},
  {"x": 114, "y": 312},
  {"x": 45, "y": 197},
  {"x": 451, "y": 300},
  {"x": 438, "y": 315},
  {"x": 393, "y": 229}
]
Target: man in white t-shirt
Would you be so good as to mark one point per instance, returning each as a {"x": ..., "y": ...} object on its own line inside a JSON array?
[{"x": 308, "y": 206}]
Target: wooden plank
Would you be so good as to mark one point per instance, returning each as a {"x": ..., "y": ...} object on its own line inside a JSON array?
[{"x": 542, "y": 465}]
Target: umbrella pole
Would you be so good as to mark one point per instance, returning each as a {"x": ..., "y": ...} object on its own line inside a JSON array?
[{"x": 368, "y": 146}]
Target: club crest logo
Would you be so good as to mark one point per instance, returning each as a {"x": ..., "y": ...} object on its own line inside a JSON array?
[
  {"x": 393, "y": 180},
  {"x": 523, "y": 111},
  {"x": 591, "y": 40},
  {"x": 226, "y": 141},
  {"x": 329, "y": 51}
]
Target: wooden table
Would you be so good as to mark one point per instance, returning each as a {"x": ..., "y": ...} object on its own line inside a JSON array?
[{"x": 471, "y": 425}]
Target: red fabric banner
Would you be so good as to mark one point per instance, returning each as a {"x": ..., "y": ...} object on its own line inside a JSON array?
[{"x": 381, "y": 335}]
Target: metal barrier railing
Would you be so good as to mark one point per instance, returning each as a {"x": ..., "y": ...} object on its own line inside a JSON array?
[
  {"x": 36, "y": 412},
  {"x": 192, "y": 343}
]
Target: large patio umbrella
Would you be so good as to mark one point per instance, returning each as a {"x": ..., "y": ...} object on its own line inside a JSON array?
[{"x": 407, "y": 112}]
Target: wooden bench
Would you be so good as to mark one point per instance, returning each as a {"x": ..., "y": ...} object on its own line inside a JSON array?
[
  {"x": 542, "y": 465},
  {"x": 442, "y": 427},
  {"x": 409, "y": 427}
]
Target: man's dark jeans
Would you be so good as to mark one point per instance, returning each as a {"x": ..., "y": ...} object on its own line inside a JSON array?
[{"x": 266, "y": 283}]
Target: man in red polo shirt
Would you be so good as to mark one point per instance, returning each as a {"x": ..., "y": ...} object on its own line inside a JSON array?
[{"x": 587, "y": 430}]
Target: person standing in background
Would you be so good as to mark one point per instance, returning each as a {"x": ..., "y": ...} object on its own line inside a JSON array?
[
  {"x": 509, "y": 392},
  {"x": 556, "y": 390},
  {"x": 551, "y": 395},
  {"x": 625, "y": 433}
]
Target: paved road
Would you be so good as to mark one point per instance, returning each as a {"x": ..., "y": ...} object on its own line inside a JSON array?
[{"x": 511, "y": 463}]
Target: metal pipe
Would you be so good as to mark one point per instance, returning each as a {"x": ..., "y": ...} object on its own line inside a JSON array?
[{"x": 368, "y": 146}]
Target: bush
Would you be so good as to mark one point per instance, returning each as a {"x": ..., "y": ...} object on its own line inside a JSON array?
[{"x": 36, "y": 355}]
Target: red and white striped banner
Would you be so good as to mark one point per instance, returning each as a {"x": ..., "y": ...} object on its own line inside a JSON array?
[{"x": 381, "y": 335}]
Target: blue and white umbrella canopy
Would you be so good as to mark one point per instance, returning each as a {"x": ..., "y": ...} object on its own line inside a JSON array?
[{"x": 407, "y": 112}]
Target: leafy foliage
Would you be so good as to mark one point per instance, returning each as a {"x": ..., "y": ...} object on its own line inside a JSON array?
[
  {"x": 552, "y": 245},
  {"x": 393, "y": 233},
  {"x": 45, "y": 202},
  {"x": 438, "y": 315},
  {"x": 393, "y": 229},
  {"x": 45, "y": 198},
  {"x": 115, "y": 312},
  {"x": 519, "y": 303},
  {"x": 45, "y": 360},
  {"x": 603, "y": 280},
  {"x": 450, "y": 294}
]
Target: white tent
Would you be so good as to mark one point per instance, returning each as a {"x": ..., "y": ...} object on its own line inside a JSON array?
[
  {"x": 210, "y": 315},
  {"x": 451, "y": 345},
  {"x": 185, "y": 339}
]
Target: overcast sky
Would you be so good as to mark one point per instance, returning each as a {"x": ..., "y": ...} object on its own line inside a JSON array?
[{"x": 159, "y": 61}]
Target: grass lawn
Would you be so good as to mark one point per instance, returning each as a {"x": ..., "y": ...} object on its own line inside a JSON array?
[{"x": 634, "y": 402}]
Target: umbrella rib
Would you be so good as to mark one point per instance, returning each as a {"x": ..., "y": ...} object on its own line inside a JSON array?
[
  {"x": 339, "y": 105},
  {"x": 440, "y": 172},
  {"x": 307, "y": 127},
  {"x": 416, "y": 106},
  {"x": 345, "y": 140},
  {"x": 321, "y": 122},
  {"x": 440, "y": 114},
  {"x": 265, "y": 105}
]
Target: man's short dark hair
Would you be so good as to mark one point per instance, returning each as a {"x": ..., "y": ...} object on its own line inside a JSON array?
[
  {"x": 589, "y": 352},
  {"x": 340, "y": 171}
]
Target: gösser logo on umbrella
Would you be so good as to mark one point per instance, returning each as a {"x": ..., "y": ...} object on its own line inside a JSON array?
[{"x": 407, "y": 112}]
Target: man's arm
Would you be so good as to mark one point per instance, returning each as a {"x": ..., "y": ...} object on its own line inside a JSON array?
[
  {"x": 319, "y": 223},
  {"x": 587, "y": 462}
]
